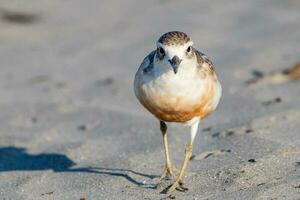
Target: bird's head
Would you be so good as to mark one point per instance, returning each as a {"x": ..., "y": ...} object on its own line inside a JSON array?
[{"x": 173, "y": 49}]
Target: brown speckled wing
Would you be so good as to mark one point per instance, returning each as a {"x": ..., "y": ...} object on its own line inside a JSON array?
[{"x": 202, "y": 58}]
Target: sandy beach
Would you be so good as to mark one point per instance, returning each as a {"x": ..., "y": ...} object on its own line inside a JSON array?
[{"x": 71, "y": 127}]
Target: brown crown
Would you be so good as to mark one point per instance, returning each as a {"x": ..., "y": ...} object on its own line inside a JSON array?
[{"x": 174, "y": 38}]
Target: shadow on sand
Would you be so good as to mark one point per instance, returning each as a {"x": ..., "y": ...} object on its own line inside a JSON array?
[{"x": 17, "y": 159}]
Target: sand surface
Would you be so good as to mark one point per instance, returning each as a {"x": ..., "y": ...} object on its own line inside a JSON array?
[{"x": 71, "y": 128}]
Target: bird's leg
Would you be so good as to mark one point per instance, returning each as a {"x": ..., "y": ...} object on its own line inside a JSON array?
[
  {"x": 178, "y": 184},
  {"x": 168, "y": 171}
]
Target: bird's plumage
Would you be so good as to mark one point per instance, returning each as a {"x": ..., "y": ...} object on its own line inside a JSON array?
[{"x": 174, "y": 38}]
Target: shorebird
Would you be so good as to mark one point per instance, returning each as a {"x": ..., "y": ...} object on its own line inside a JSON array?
[{"x": 177, "y": 83}]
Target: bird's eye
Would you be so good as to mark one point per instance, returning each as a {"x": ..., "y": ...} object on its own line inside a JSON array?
[
  {"x": 189, "y": 49},
  {"x": 161, "y": 51}
]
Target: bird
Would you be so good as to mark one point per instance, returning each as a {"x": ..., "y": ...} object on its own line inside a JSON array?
[{"x": 177, "y": 83}]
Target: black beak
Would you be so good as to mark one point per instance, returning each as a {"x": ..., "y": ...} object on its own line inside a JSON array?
[{"x": 175, "y": 63}]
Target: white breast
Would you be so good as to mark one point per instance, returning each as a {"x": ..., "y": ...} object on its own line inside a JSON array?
[{"x": 186, "y": 84}]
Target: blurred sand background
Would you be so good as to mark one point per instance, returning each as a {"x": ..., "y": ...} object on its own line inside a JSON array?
[{"x": 71, "y": 128}]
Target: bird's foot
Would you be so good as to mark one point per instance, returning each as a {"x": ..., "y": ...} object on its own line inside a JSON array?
[
  {"x": 168, "y": 172},
  {"x": 177, "y": 185}
]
